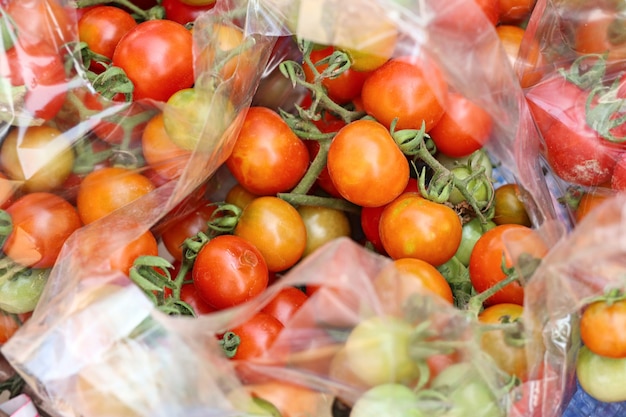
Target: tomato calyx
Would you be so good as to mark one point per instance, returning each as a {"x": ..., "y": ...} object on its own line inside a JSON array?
[
  {"x": 229, "y": 343},
  {"x": 224, "y": 219}
]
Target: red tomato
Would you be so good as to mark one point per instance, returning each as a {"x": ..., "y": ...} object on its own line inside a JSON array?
[
  {"x": 341, "y": 89},
  {"x": 276, "y": 229},
  {"x": 157, "y": 56},
  {"x": 184, "y": 13},
  {"x": 105, "y": 190},
  {"x": 42, "y": 222},
  {"x": 414, "y": 227},
  {"x": 464, "y": 128},
  {"x": 257, "y": 334},
  {"x": 485, "y": 265},
  {"x": 161, "y": 154},
  {"x": 514, "y": 12},
  {"x": 408, "y": 89},
  {"x": 618, "y": 179},
  {"x": 42, "y": 22},
  {"x": 323, "y": 179},
  {"x": 267, "y": 158},
  {"x": 188, "y": 226},
  {"x": 596, "y": 34},
  {"x": 189, "y": 294},
  {"x": 285, "y": 304},
  {"x": 366, "y": 165},
  {"x": 491, "y": 10},
  {"x": 122, "y": 259},
  {"x": 228, "y": 271},
  {"x": 102, "y": 27}
]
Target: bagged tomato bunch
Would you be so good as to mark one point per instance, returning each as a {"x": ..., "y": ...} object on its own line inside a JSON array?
[{"x": 362, "y": 253}]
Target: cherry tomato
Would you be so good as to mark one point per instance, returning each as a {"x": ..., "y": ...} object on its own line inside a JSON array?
[
  {"x": 267, "y": 158},
  {"x": 161, "y": 154},
  {"x": 597, "y": 35},
  {"x": 509, "y": 207},
  {"x": 145, "y": 245},
  {"x": 524, "y": 57},
  {"x": 485, "y": 265},
  {"x": 411, "y": 91},
  {"x": 189, "y": 294},
  {"x": 42, "y": 222},
  {"x": 174, "y": 235},
  {"x": 42, "y": 22},
  {"x": 588, "y": 202},
  {"x": 41, "y": 157},
  {"x": 323, "y": 224},
  {"x": 276, "y": 229},
  {"x": 257, "y": 335},
  {"x": 285, "y": 304},
  {"x": 509, "y": 357},
  {"x": 600, "y": 376},
  {"x": 228, "y": 271},
  {"x": 464, "y": 128},
  {"x": 598, "y": 324},
  {"x": 366, "y": 165},
  {"x": 390, "y": 399},
  {"x": 105, "y": 190},
  {"x": 157, "y": 57},
  {"x": 102, "y": 27},
  {"x": 479, "y": 187},
  {"x": 472, "y": 231},
  {"x": 239, "y": 196},
  {"x": 514, "y": 12},
  {"x": 414, "y": 227},
  {"x": 182, "y": 12}
]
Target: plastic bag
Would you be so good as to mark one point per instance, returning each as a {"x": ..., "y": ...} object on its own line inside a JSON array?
[{"x": 95, "y": 342}]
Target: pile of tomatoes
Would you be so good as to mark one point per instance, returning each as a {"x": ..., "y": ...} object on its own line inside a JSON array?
[{"x": 117, "y": 101}]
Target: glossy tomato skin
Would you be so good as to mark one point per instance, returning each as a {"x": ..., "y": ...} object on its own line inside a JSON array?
[
  {"x": 228, "y": 271},
  {"x": 123, "y": 258},
  {"x": 599, "y": 328},
  {"x": 601, "y": 376},
  {"x": 514, "y": 12},
  {"x": 183, "y": 13},
  {"x": 257, "y": 335},
  {"x": 174, "y": 235},
  {"x": 42, "y": 22},
  {"x": 161, "y": 154},
  {"x": 285, "y": 304},
  {"x": 412, "y": 91},
  {"x": 366, "y": 165},
  {"x": 268, "y": 157},
  {"x": 107, "y": 189},
  {"x": 596, "y": 33},
  {"x": 189, "y": 294},
  {"x": 414, "y": 227},
  {"x": 509, "y": 207},
  {"x": 464, "y": 128},
  {"x": 157, "y": 56},
  {"x": 323, "y": 224},
  {"x": 276, "y": 228},
  {"x": 42, "y": 222}
]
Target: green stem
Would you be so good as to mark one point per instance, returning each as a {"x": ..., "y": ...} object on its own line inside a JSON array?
[
  {"x": 313, "y": 200},
  {"x": 316, "y": 167},
  {"x": 476, "y": 302}
]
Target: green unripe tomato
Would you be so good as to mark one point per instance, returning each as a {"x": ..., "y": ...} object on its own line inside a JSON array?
[
  {"x": 389, "y": 400},
  {"x": 472, "y": 231},
  {"x": 20, "y": 290},
  {"x": 601, "y": 377}
]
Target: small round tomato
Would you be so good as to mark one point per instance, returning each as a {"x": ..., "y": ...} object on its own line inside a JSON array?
[
  {"x": 174, "y": 235},
  {"x": 189, "y": 294},
  {"x": 323, "y": 180},
  {"x": 268, "y": 158},
  {"x": 228, "y": 271},
  {"x": 601, "y": 32},
  {"x": 285, "y": 304},
  {"x": 42, "y": 222},
  {"x": 588, "y": 202},
  {"x": 514, "y": 12},
  {"x": 502, "y": 347},
  {"x": 598, "y": 328},
  {"x": 496, "y": 244},
  {"x": 107, "y": 189},
  {"x": 182, "y": 12},
  {"x": 323, "y": 224},
  {"x": 414, "y": 227},
  {"x": 123, "y": 258},
  {"x": 464, "y": 128},
  {"x": 601, "y": 377},
  {"x": 472, "y": 231},
  {"x": 390, "y": 400},
  {"x": 41, "y": 157},
  {"x": 413, "y": 92},
  {"x": 366, "y": 165},
  {"x": 525, "y": 57},
  {"x": 276, "y": 228},
  {"x": 161, "y": 154},
  {"x": 479, "y": 188},
  {"x": 42, "y": 22},
  {"x": 257, "y": 335},
  {"x": 157, "y": 57},
  {"x": 509, "y": 207},
  {"x": 239, "y": 196}
]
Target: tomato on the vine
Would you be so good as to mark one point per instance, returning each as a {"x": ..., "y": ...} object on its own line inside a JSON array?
[
  {"x": 157, "y": 56},
  {"x": 257, "y": 335},
  {"x": 160, "y": 152},
  {"x": 366, "y": 165},
  {"x": 42, "y": 222},
  {"x": 183, "y": 12},
  {"x": 600, "y": 322},
  {"x": 189, "y": 294},
  {"x": 228, "y": 271},
  {"x": 122, "y": 259},
  {"x": 285, "y": 304},
  {"x": 175, "y": 233},
  {"x": 514, "y": 12},
  {"x": 267, "y": 158},
  {"x": 597, "y": 35}
]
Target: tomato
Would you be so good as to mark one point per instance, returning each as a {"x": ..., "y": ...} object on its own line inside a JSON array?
[
  {"x": 414, "y": 227},
  {"x": 257, "y": 335},
  {"x": 182, "y": 12},
  {"x": 366, "y": 165},
  {"x": 126, "y": 125},
  {"x": 39, "y": 156},
  {"x": 323, "y": 224},
  {"x": 523, "y": 54},
  {"x": 198, "y": 2},
  {"x": 41, "y": 224},
  {"x": 598, "y": 328},
  {"x": 229, "y": 271},
  {"x": 377, "y": 351},
  {"x": 21, "y": 289},
  {"x": 285, "y": 304},
  {"x": 464, "y": 128},
  {"x": 105, "y": 190},
  {"x": 409, "y": 90},
  {"x": 341, "y": 89},
  {"x": 479, "y": 187},
  {"x": 509, "y": 206},
  {"x": 292, "y": 400},
  {"x": 468, "y": 390},
  {"x": 406, "y": 277},
  {"x": 175, "y": 233},
  {"x": 392, "y": 400},
  {"x": 472, "y": 231},
  {"x": 160, "y": 152},
  {"x": 267, "y": 158},
  {"x": 102, "y": 27},
  {"x": 42, "y": 22},
  {"x": 490, "y": 9},
  {"x": 515, "y": 11},
  {"x": 122, "y": 259},
  {"x": 157, "y": 57},
  {"x": 485, "y": 265},
  {"x": 597, "y": 33},
  {"x": 600, "y": 376},
  {"x": 509, "y": 357},
  {"x": 239, "y": 196},
  {"x": 588, "y": 202},
  {"x": 189, "y": 294},
  {"x": 323, "y": 180},
  {"x": 276, "y": 228}
]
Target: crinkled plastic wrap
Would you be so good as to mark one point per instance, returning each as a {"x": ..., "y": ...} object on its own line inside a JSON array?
[{"x": 95, "y": 344}]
